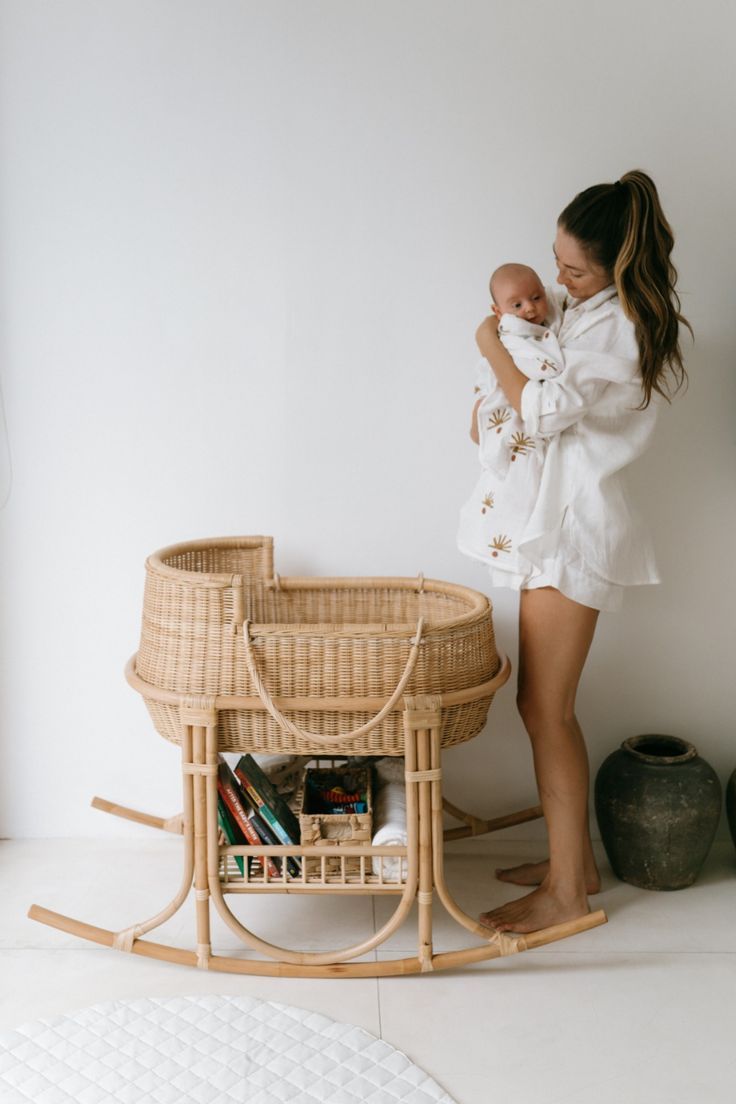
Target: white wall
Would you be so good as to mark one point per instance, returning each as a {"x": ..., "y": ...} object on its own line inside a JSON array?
[{"x": 244, "y": 251}]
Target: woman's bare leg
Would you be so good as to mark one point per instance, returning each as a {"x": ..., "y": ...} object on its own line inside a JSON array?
[
  {"x": 534, "y": 873},
  {"x": 555, "y": 635}
]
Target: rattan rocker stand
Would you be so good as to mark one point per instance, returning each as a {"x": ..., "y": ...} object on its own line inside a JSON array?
[{"x": 204, "y": 727}]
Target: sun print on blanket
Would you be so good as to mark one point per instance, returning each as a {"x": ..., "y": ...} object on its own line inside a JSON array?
[
  {"x": 487, "y": 502},
  {"x": 498, "y": 418},
  {"x": 521, "y": 445},
  {"x": 501, "y": 543}
]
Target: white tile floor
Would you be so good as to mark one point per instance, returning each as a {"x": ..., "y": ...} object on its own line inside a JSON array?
[{"x": 642, "y": 1010}]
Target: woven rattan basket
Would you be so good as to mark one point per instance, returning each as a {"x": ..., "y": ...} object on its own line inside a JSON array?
[{"x": 317, "y": 657}]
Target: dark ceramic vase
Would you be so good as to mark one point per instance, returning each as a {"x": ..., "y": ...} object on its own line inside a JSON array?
[
  {"x": 731, "y": 805},
  {"x": 658, "y": 805}
]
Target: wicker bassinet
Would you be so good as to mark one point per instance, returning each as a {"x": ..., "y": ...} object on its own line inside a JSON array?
[{"x": 318, "y": 658}]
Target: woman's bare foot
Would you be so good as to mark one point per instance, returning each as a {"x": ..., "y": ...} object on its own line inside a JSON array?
[
  {"x": 533, "y": 874},
  {"x": 539, "y": 909}
]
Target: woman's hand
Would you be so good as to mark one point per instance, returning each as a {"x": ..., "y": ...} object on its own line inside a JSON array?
[{"x": 486, "y": 335}]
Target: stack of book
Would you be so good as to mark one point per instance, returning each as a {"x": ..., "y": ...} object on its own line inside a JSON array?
[{"x": 251, "y": 811}]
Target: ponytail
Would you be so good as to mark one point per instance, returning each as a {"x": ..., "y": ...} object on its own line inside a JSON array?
[{"x": 623, "y": 229}]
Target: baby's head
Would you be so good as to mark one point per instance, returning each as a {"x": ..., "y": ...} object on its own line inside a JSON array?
[{"x": 516, "y": 289}]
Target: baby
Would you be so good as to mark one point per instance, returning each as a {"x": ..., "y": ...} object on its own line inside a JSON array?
[
  {"x": 529, "y": 320},
  {"x": 516, "y": 289},
  {"x": 528, "y": 327}
]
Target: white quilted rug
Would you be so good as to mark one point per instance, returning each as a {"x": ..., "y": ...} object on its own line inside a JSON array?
[{"x": 202, "y": 1050}]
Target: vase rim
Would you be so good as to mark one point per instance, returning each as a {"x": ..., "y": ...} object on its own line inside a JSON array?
[{"x": 656, "y": 747}]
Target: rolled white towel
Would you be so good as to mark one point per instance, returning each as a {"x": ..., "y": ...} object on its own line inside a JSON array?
[{"x": 389, "y": 821}]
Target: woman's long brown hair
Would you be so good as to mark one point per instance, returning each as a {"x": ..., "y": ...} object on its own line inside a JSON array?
[{"x": 623, "y": 229}]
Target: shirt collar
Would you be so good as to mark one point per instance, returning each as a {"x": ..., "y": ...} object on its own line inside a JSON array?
[{"x": 594, "y": 301}]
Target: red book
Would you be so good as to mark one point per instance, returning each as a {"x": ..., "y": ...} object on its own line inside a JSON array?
[{"x": 227, "y": 787}]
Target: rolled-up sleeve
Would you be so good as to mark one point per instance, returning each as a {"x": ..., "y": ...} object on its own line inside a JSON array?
[{"x": 551, "y": 406}]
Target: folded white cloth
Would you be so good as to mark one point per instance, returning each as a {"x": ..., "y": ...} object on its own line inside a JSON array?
[
  {"x": 389, "y": 822},
  {"x": 502, "y": 435},
  {"x": 511, "y": 457}
]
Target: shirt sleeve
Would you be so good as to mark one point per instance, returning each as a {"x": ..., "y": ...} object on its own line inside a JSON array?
[
  {"x": 551, "y": 406},
  {"x": 602, "y": 376}
]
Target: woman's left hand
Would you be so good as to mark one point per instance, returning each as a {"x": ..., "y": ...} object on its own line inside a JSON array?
[{"x": 486, "y": 335}]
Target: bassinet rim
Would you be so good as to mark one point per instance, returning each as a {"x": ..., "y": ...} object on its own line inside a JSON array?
[
  {"x": 478, "y": 604},
  {"x": 214, "y": 579}
]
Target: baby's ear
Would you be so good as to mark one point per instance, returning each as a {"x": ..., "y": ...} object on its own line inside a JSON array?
[{"x": 496, "y": 311}]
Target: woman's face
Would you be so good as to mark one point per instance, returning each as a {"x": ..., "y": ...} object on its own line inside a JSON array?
[{"x": 582, "y": 278}]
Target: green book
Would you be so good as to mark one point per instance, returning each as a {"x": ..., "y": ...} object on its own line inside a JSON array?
[
  {"x": 231, "y": 832},
  {"x": 267, "y": 802}
]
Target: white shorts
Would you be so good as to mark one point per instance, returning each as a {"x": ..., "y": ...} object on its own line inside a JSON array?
[{"x": 570, "y": 575}]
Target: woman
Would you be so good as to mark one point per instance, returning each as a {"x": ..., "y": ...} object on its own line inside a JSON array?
[{"x": 582, "y": 546}]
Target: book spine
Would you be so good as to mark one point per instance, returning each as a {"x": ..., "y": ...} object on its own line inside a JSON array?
[
  {"x": 227, "y": 831},
  {"x": 267, "y": 834},
  {"x": 230, "y": 798},
  {"x": 262, "y": 808},
  {"x": 247, "y": 768}
]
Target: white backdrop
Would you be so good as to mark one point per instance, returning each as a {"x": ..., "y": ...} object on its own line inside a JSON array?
[{"x": 245, "y": 247}]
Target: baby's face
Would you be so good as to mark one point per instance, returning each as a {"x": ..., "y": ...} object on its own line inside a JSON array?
[{"x": 522, "y": 295}]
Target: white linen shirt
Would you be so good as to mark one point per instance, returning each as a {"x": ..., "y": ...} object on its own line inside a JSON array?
[
  {"x": 575, "y": 528},
  {"x": 594, "y": 430}
]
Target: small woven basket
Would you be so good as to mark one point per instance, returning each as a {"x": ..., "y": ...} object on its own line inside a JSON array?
[
  {"x": 218, "y": 621},
  {"x": 330, "y": 828}
]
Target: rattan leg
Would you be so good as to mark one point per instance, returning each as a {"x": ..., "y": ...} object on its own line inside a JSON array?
[
  {"x": 419, "y": 716},
  {"x": 201, "y": 887}
]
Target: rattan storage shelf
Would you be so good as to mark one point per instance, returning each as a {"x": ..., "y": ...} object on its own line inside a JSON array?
[{"x": 234, "y": 658}]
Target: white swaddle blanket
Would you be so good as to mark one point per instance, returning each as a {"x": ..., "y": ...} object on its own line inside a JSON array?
[
  {"x": 389, "y": 818},
  {"x": 511, "y": 457},
  {"x": 536, "y": 352}
]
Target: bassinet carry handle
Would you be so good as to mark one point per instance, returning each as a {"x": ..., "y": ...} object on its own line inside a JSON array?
[{"x": 316, "y": 737}]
